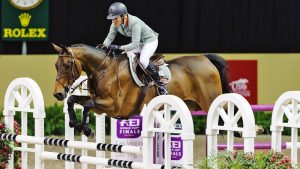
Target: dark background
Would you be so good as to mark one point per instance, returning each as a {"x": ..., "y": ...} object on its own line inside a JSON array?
[{"x": 184, "y": 25}]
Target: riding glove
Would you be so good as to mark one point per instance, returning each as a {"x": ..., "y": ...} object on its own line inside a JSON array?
[{"x": 115, "y": 48}]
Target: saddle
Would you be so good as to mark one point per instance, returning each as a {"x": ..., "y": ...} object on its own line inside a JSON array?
[{"x": 140, "y": 75}]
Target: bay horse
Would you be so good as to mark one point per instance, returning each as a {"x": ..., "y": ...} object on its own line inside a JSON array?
[{"x": 197, "y": 80}]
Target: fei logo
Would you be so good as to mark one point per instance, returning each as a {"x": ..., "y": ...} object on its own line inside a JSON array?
[
  {"x": 130, "y": 122},
  {"x": 240, "y": 87},
  {"x": 131, "y": 128},
  {"x": 175, "y": 144}
]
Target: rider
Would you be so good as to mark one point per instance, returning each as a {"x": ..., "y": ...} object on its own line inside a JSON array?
[{"x": 143, "y": 39}]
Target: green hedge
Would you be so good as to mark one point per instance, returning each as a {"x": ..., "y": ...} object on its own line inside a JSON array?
[{"x": 54, "y": 123}]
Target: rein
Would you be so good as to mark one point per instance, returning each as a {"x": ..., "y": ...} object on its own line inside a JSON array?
[
  {"x": 118, "y": 78},
  {"x": 72, "y": 75},
  {"x": 89, "y": 77},
  {"x": 102, "y": 63}
]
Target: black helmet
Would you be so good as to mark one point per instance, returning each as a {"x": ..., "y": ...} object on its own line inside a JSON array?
[{"x": 116, "y": 9}]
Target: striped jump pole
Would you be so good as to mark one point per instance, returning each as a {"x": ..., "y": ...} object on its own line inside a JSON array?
[
  {"x": 98, "y": 161},
  {"x": 71, "y": 144}
]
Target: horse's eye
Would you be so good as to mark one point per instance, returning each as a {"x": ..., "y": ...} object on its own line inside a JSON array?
[{"x": 66, "y": 65}]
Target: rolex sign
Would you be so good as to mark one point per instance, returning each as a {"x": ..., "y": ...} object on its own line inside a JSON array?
[{"x": 24, "y": 20}]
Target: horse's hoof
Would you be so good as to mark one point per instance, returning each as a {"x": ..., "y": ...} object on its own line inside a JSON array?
[
  {"x": 79, "y": 127},
  {"x": 92, "y": 135},
  {"x": 238, "y": 134},
  {"x": 72, "y": 124},
  {"x": 89, "y": 133},
  {"x": 259, "y": 129}
]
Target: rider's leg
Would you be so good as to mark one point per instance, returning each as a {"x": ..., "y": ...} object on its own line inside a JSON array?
[
  {"x": 132, "y": 53},
  {"x": 162, "y": 90},
  {"x": 147, "y": 51}
]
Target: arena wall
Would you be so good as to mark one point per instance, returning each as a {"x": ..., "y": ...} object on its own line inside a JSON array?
[{"x": 277, "y": 73}]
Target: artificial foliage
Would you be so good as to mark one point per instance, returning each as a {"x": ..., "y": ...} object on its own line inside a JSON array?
[
  {"x": 240, "y": 160},
  {"x": 7, "y": 147}
]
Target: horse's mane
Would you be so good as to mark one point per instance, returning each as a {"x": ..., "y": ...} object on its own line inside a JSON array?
[
  {"x": 86, "y": 47},
  {"x": 97, "y": 52}
]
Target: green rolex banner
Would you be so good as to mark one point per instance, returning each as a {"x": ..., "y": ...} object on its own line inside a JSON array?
[{"x": 24, "y": 20}]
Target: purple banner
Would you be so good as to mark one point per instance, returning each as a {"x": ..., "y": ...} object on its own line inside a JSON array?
[
  {"x": 130, "y": 128},
  {"x": 176, "y": 148}
]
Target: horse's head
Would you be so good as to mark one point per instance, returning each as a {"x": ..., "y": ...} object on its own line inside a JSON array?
[{"x": 68, "y": 70}]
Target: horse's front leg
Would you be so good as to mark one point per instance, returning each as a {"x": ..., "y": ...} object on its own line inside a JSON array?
[
  {"x": 86, "y": 117},
  {"x": 72, "y": 116}
]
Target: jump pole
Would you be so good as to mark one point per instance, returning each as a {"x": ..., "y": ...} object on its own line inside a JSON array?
[
  {"x": 70, "y": 144},
  {"x": 255, "y": 108},
  {"x": 99, "y": 161}
]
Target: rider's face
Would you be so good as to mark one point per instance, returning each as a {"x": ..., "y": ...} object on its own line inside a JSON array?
[{"x": 117, "y": 21}]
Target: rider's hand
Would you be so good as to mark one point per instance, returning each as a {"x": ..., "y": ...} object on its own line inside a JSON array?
[
  {"x": 114, "y": 47},
  {"x": 104, "y": 47}
]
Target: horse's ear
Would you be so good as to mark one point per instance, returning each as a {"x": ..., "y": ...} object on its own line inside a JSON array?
[
  {"x": 64, "y": 49},
  {"x": 57, "y": 48}
]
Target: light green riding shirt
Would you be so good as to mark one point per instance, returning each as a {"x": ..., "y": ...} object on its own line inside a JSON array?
[{"x": 139, "y": 32}]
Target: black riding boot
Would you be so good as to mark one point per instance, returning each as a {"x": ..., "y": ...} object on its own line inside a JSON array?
[{"x": 162, "y": 90}]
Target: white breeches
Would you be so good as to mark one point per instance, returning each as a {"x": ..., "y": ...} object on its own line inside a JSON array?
[{"x": 146, "y": 51}]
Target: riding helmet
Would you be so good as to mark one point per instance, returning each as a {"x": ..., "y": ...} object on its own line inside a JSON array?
[{"x": 116, "y": 9}]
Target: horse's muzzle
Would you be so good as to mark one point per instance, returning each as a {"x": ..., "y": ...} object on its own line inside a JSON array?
[{"x": 59, "y": 96}]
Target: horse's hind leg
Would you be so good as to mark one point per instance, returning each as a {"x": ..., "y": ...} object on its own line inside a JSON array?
[{"x": 85, "y": 118}]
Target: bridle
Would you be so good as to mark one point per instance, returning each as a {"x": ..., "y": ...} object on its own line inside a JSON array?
[{"x": 69, "y": 75}]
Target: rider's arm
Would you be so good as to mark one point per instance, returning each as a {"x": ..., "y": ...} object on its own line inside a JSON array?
[
  {"x": 135, "y": 38},
  {"x": 111, "y": 35}
]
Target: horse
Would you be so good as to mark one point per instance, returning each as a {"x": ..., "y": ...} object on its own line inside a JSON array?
[{"x": 197, "y": 80}]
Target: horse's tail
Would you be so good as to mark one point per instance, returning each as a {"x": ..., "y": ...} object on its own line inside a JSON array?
[{"x": 222, "y": 67}]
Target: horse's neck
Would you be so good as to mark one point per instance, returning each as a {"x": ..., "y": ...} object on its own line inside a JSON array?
[{"x": 92, "y": 62}]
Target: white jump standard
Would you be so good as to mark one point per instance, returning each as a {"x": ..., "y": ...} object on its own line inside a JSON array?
[{"x": 23, "y": 95}]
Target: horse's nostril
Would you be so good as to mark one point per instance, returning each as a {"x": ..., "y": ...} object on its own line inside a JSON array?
[{"x": 58, "y": 95}]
